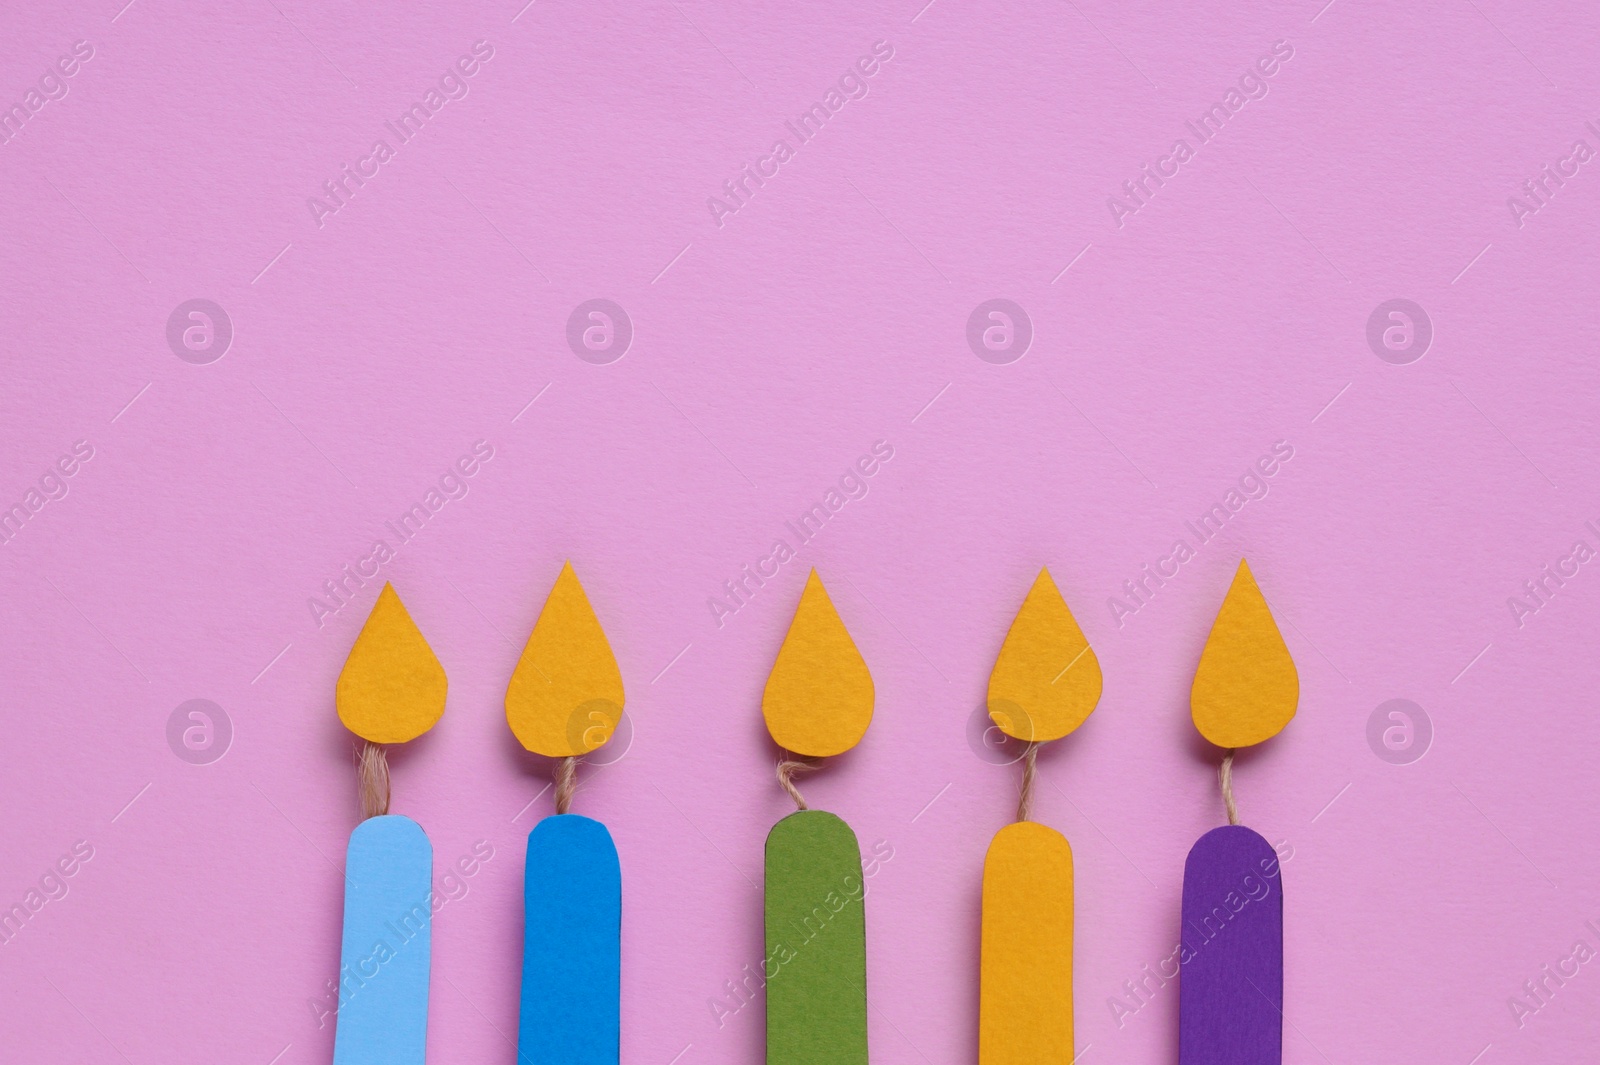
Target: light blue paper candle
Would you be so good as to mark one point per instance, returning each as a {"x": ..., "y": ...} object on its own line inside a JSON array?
[
  {"x": 383, "y": 963},
  {"x": 392, "y": 689}
]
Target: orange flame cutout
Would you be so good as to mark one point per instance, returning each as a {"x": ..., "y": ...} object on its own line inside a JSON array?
[
  {"x": 392, "y": 686},
  {"x": 565, "y": 696},
  {"x": 818, "y": 700},
  {"x": 1046, "y": 680},
  {"x": 1246, "y": 687}
]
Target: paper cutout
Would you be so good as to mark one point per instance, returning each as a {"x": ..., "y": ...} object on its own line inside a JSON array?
[
  {"x": 1246, "y": 688},
  {"x": 816, "y": 960},
  {"x": 818, "y": 700},
  {"x": 572, "y": 945},
  {"x": 392, "y": 686},
  {"x": 1230, "y": 994},
  {"x": 384, "y": 958},
  {"x": 1046, "y": 680},
  {"x": 565, "y": 696},
  {"x": 1025, "y": 997}
]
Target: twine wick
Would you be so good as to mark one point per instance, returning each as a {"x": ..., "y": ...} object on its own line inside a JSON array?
[
  {"x": 1225, "y": 777},
  {"x": 787, "y": 768},
  {"x": 372, "y": 780},
  {"x": 566, "y": 776},
  {"x": 1030, "y": 759}
]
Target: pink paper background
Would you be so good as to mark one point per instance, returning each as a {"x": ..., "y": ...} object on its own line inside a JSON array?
[{"x": 771, "y": 352}]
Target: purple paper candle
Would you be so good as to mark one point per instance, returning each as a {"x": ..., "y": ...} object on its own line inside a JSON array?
[{"x": 1230, "y": 995}]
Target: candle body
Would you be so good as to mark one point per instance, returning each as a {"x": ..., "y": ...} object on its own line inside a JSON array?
[
  {"x": 572, "y": 945},
  {"x": 1025, "y": 997},
  {"x": 816, "y": 959},
  {"x": 384, "y": 959},
  {"x": 1230, "y": 995}
]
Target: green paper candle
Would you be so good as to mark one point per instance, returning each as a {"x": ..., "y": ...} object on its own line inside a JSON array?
[{"x": 818, "y": 702}]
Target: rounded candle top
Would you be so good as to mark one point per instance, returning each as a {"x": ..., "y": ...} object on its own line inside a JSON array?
[
  {"x": 1246, "y": 688},
  {"x": 565, "y": 696},
  {"x": 1046, "y": 680},
  {"x": 392, "y": 686},
  {"x": 818, "y": 700}
]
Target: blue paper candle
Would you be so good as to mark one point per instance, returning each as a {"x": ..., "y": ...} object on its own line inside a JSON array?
[
  {"x": 564, "y": 701},
  {"x": 572, "y": 945}
]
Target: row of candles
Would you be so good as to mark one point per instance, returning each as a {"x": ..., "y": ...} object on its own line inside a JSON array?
[{"x": 565, "y": 699}]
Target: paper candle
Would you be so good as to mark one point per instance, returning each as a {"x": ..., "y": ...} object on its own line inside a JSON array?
[
  {"x": 1046, "y": 681},
  {"x": 564, "y": 700},
  {"x": 1230, "y": 994},
  {"x": 392, "y": 689},
  {"x": 818, "y": 702}
]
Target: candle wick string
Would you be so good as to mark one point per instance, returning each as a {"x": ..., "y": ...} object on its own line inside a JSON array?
[
  {"x": 1225, "y": 777},
  {"x": 1030, "y": 760},
  {"x": 372, "y": 780},
  {"x": 787, "y": 768},
  {"x": 566, "y": 782}
]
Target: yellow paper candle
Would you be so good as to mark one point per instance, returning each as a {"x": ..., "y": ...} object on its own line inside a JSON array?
[
  {"x": 1046, "y": 682},
  {"x": 1246, "y": 687},
  {"x": 1025, "y": 1003}
]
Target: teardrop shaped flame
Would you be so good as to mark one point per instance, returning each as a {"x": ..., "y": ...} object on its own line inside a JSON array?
[
  {"x": 392, "y": 686},
  {"x": 1246, "y": 687},
  {"x": 565, "y": 696},
  {"x": 818, "y": 700},
  {"x": 1046, "y": 679}
]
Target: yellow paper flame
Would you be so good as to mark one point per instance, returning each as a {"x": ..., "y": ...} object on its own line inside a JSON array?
[
  {"x": 392, "y": 687},
  {"x": 565, "y": 696},
  {"x": 818, "y": 700},
  {"x": 1246, "y": 687},
  {"x": 1046, "y": 679}
]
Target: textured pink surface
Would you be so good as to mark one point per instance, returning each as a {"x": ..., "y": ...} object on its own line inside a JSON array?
[{"x": 1226, "y": 314}]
